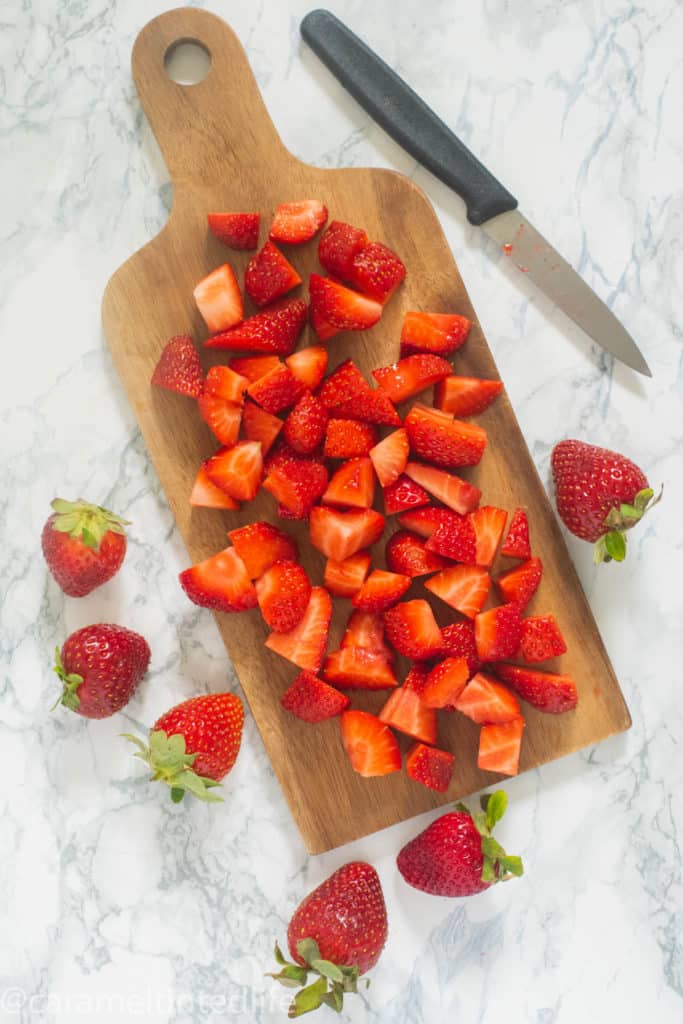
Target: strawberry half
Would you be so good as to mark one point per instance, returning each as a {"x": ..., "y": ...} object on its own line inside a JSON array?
[
  {"x": 466, "y": 396},
  {"x": 377, "y": 271},
  {"x": 445, "y": 683},
  {"x": 178, "y": 368},
  {"x": 411, "y": 629},
  {"x": 370, "y": 745},
  {"x": 309, "y": 365},
  {"x": 359, "y": 668},
  {"x": 269, "y": 275},
  {"x": 254, "y": 367},
  {"x": 381, "y": 590},
  {"x": 238, "y": 230},
  {"x": 342, "y": 308},
  {"x": 390, "y": 456},
  {"x": 407, "y": 553},
  {"x": 277, "y": 390},
  {"x": 223, "y": 418},
  {"x": 275, "y": 329},
  {"x": 305, "y": 645},
  {"x": 205, "y": 494},
  {"x": 521, "y": 583},
  {"x": 488, "y": 524},
  {"x": 338, "y": 246},
  {"x": 219, "y": 299},
  {"x": 237, "y": 470},
  {"x": 457, "y": 494},
  {"x": 516, "y": 543},
  {"x": 403, "y": 494},
  {"x": 283, "y": 593},
  {"x": 430, "y": 766},
  {"x": 260, "y": 545},
  {"x": 497, "y": 632},
  {"x": 260, "y": 425},
  {"x": 339, "y": 535},
  {"x": 313, "y": 700},
  {"x": 438, "y": 333},
  {"x": 545, "y": 691},
  {"x": 411, "y": 375},
  {"x": 298, "y": 222},
  {"x": 306, "y": 424},
  {"x": 347, "y": 439},
  {"x": 463, "y": 587},
  {"x": 437, "y": 438},
  {"x": 487, "y": 702},
  {"x": 499, "y": 747},
  {"x": 220, "y": 582},
  {"x": 458, "y": 641},
  {"x": 405, "y": 711},
  {"x": 296, "y": 484},
  {"x": 352, "y": 485},
  {"x": 344, "y": 579},
  {"x": 541, "y": 639},
  {"x": 223, "y": 382}
]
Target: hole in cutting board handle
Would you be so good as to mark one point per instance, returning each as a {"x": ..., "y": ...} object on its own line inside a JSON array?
[{"x": 187, "y": 62}]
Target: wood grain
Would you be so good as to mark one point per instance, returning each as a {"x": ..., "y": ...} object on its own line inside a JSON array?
[{"x": 223, "y": 153}]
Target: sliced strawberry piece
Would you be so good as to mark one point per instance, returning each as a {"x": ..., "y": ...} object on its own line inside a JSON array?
[
  {"x": 223, "y": 418},
  {"x": 371, "y": 407},
  {"x": 353, "y": 485},
  {"x": 306, "y": 424},
  {"x": 260, "y": 545},
  {"x": 345, "y": 382},
  {"x": 545, "y": 691},
  {"x": 298, "y": 222},
  {"x": 254, "y": 367},
  {"x": 440, "y": 333},
  {"x": 455, "y": 539},
  {"x": 457, "y": 494},
  {"x": 390, "y": 456},
  {"x": 223, "y": 382},
  {"x": 407, "y": 553},
  {"x": 237, "y": 470},
  {"x": 426, "y": 521},
  {"x": 275, "y": 329},
  {"x": 458, "y": 641},
  {"x": 220, "y": 582},
  {"x": 463, "y": 587},
  {"x": 366, "y": 629},
  {"x": 305, "y": 644},
  {"x": 405, "y": 711},
  {"x": 411, "y": 629},
  {"x": 206, "y": 495},
  {"x": 342, "y": 308},
  {"x": 517, "y": 541},
  {"x": 322, "y": 328},
  {"x": 277, "y": 390},
  {"x": 260, "y": 425},
  {"x": 370, "y": 745},
  {"x": 219, "y": 299},
  {"x": 377, "y": 271},
  {"x": 430, "y": 766},
  {"x": 488, "y": 524},
  {"x": 409, "y": 376},
  {"x": 347, "y": 439},
  {"x": 269, "y": 275},
  {"x": 521, "y": 583},
  {"x": 338, "y": 246},
  {"x": 487, "y": 702},
  {"x": 238, "y": 230},
  {"x": 381, "y": 590},
  {"x": 445, "y": 683},
  {"x": 416, "y": 679},
  {"x": 497, "y": 632},
  {"x": 283, "y": 593},
  {"x": 344, "y": 579},
  {"x": 541, "y": 639},
  {"x": 178, "y": 368},
  {"x": 499, "y": 747},
  {"x": 296, "y": 485},
  {"x": 443, "y": 441},
  {"x": 466, "y": 396},
  {"x": 339, "y": 535},
  {"x": 309, "y": 365},
  {"x": 313, "y": 700},
  {"x": 359, "y": 668},
  {"x": 403, "y": 494}
]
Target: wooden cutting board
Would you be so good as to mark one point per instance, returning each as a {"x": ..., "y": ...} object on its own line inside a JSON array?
[{"x": 223, "y": 153}]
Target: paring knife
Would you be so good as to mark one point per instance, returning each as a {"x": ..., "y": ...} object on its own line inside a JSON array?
[{"x": 409, "y": 121}]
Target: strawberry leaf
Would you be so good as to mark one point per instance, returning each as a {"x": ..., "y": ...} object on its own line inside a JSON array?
[
  {"x": 495, "y": 805},
  {"x": 308, "y": 950},
  {"x": 309, "y": 998},
  {"x": 615, "y": 545},
  {"x": 328, "y": 970}
]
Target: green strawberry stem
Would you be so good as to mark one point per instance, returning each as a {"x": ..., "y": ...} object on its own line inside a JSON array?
[
  {"x": 497, "y": 865},
  {"x": 85, "y": 522},
  {"x": 612, "y": 545},
  {"x": 71, "y": 682},
  {"x": 170, "y": 763},
  {"x": 330, "y": 983}
]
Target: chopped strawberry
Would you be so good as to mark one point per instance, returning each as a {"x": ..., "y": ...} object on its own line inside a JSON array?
[
  {"x": 405, "y": 711},
  {"x": 403, "y": 494},
  {"x": 458, "y": 641},
  {"x": 499, "y": 747},
  {"x": 275, "y": 330},
  {"x": 178, "y": 368},
  {"x": 219, "y": 299},
  {"x": 497, "y": 632},
  {"x": 457, "y": 494},
  {"x": 516, "y": 543},
  {"x": 305, "y": 426},
  {"x": 466, "y": 396},
  {"x": 426, "y": 521},
  {"x": 338, "y": 246},
  {"x": 277, "y": 390},
  {"x": 487, "y": 702},
  {"x": 416, "y": 679},
  {"x": 298, "y": 222},
  {"x": 545, "y": 691},
  {"x": 313, "y": 700},
  {"x": 377, "y": 271},
  {"x": 220, "y": 582},
  {"x": 339, "y": 535},
  {"x": 521, "y": 583},
  {"x": 407, "y": 553},
  {"x": 223, "y": 418},
  {"x": 344, "y": 579},
  {"x": 347, "y": 395},
  {"x": 352, "y": 485},
  {"x": 389, "y": 457},
  {"x": 341, "y": 307},
  {"x": 488, "y": 523},
  {"x": 283, "y": 593},
  {"x": 223, "y": 382},
  {"x": 370, "y": 745},
  {"x": 260, "y": 545},
  {"x": 238, "y": 230},
  {"x": 322, "y": 328},
  {"x": 260, "y": 425},
  {"x": 409, "y": 376},
  {"x": 296, "y": 484},
  {"x": 440, "y": 333},
  {"x": 269, "y": 275},
  {"x": 366, "y": 629},
  {"x": 430, "y": 766},
  {"x": 309, "y": 365},
  {"x": 445, "y": 683},
  {"x": 305, "y": 644},
  {"x": 444, "y": 441},
  {"x": 359, "y": 668},
  {"x": 206, "y": 495},
  {"x": 344, "y": 383},
  {"x": 254, "y": 367},
  {"x": 237, "y": 470},
  {"x": 541, "y": 639},
  {"x": 346, "y": 439},
  {"x": 381, "y": 590},
  {"x": 411, "y": 629},
  {"x": 454, "y": 538},
  {"x": 463, "y": 587}
]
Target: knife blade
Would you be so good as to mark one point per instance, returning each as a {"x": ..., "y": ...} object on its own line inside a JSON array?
[{"x": 415, "y": 126}]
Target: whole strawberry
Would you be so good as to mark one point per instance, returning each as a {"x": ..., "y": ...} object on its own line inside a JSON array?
[
  {"x": 457, "y": 855},
  {"x": 338, "y": 933},
  {"x": 600, "y": 495},
  {"x": 83, "y": 545},
  {"x": 194, "y": 745},
  {"x": 100, "y": 667}
]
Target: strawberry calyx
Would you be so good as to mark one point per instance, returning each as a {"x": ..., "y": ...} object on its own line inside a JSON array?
[
  {"x": 85, "y": 522},
  {"x": 612, "y": 545},
  {"x": 331, "y": 982},
  {"x": 497, "y": 866},
  {"x": 170, "y": 763},
  {"x": 71, "y": 682}
]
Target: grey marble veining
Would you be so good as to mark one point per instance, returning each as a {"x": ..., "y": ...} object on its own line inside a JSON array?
[{"x": 118, "y": 906}]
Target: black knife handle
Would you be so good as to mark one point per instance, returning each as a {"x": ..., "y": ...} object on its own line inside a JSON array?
[{"x": 404, "y": 116}]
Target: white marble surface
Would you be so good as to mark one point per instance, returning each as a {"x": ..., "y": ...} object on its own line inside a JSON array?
[{"x": 117, "y": 906}]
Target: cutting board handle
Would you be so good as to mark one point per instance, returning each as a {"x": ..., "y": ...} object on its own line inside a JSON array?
[{"x": 216, "y": 130}]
